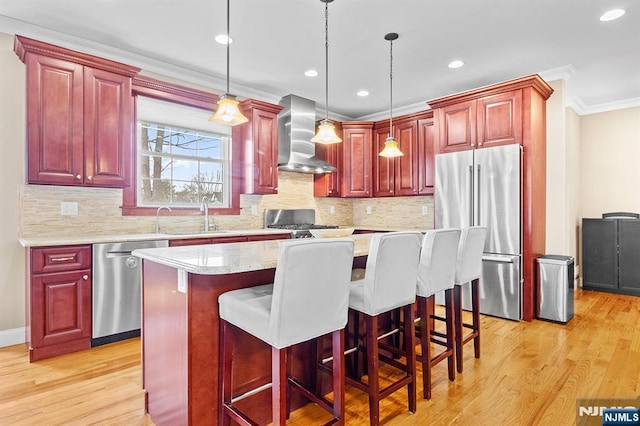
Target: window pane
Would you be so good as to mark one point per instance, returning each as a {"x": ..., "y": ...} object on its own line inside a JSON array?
[
  {"x": 155, "y": 167},
  {"x": 184, "y": 169},
  {"x": 211, "y": 171},
  {"x": 156, "y": 191},
  {"x": 184, "y": 143},
  {"x": 185, "y": 192},
  {"x": 210, "y": 148}
]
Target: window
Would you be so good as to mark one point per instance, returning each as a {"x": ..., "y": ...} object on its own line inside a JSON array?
[{"x": 181, "y": 156}]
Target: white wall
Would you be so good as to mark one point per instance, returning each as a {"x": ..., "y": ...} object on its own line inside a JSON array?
[{"x": 12, "y": 143}]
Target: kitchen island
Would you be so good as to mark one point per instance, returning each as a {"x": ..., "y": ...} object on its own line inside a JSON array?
[{"x": 180, "y": 329}]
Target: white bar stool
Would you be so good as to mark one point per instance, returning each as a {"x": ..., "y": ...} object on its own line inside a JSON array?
[
  {"x": 308, "y": 299},
  {"x": 468, "y": 269},
  {"x": 389, "y": 283},
  {"x": 436, "y": 273}
]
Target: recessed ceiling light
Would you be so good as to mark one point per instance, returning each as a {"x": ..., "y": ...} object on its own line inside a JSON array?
[
  {"x": 363, "y": 93},
  {"x": 612, "y": 14},
  {"x": 455, "y": 64},
  {"x": 311, "y": 73},
  {"x": 222, "y": 39}
]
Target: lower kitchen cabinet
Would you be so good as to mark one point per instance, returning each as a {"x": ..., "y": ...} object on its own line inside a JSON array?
[
  {"x": 59, "y": 300},
  {"x": 222, "y": 240}
]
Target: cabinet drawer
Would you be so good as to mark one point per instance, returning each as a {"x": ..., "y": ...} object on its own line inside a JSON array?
[{"x": 61, "y": 258}]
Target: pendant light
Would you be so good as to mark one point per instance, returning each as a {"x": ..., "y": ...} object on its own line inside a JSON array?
[
  {"x": 391, "y": 148},
  {"x": 228, "y": 113},
  {"x": 326, "y": 131}
]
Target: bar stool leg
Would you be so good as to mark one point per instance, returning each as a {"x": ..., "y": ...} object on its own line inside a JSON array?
[
  {"x": 475, "y": 300},
  {"x": 226, "y": 385},
  {"x": 425, "y": 339},
  {"x": 457, "y": 303},
  {"x": 372, "y": 370},
  {"x": 279, "y": 385},
  {"x": 338, "y": 375},
  {"x": 451, "y": 333},
  {"x": 410, "y": 349}
]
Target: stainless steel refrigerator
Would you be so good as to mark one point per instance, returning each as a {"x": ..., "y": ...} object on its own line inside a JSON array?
[{"x": 483, "y": 187}]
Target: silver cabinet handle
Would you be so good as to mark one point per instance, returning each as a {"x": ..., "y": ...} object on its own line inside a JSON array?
[
  {"x": 85, "y": 277},
  {"x": 78, "y": 176},
  {"x": 89, "y": 177}
]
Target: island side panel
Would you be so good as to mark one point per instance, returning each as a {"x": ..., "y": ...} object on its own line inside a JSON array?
[{"x": 164, "y": 348}]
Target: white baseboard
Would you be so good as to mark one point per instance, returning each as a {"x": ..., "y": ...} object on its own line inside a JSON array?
[{"x": 12, "y": 337}]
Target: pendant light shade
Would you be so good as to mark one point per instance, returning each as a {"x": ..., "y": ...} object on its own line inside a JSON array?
[
  {"x": 326, "y": 133},
  {"x": 391, "y": 148},
  {"x": 228, "y": 113}
]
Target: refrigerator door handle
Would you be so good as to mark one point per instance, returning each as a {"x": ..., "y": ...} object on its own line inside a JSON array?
[
  {"x": 471, "y": 207},
  {"x": 500, "y": 259},
  {"x": 478, "y": 195}
]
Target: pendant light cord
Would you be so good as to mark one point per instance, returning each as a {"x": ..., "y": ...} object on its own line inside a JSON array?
[
  {"x": 228, "y": 43},
  {"x": 326, "y": 61},
  {"x": 390, "y": 88}
]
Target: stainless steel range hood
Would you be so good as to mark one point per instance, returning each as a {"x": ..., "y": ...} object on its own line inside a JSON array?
[{"x": 296, "y": 127}]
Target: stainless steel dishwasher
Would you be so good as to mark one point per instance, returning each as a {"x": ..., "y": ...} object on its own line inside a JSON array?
[{"x": 116, "y": 292}]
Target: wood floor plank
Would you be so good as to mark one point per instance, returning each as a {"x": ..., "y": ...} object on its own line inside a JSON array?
[{"x": 528, "y": 374}]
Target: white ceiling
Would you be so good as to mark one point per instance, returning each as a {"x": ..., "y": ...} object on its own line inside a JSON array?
[{"x": 276, "y": 41}]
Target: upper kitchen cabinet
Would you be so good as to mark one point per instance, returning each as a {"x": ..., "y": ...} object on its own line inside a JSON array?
[
  {"x": 489, "y": 120},
  {"x": 426, "y": 155},
  {"x": 259, "y": 139},
  {"x": 356, "y": 164},
  {"x": 79, "y": 113},
  {"x": 396, "y": 176},
  {"x": 328, "y": 184}
]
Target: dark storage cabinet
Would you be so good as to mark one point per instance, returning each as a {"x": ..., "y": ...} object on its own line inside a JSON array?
[{"x": 611, "y": 255}]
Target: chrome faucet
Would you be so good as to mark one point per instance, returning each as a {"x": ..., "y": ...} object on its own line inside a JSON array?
[
  {"x": 158, "y": 217},
  {"x": 204, "y": 207}
]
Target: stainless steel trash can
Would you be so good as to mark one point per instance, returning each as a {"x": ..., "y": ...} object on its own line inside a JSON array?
[{"x": 554, "y": 282}]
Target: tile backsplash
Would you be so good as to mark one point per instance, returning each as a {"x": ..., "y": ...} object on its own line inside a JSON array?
[{"x": 99, "y": 211}]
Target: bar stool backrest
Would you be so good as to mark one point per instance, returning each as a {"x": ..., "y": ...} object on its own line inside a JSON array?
[
  {"x": 391, "y": 271},
  {"x": 469, "y": 263},
  {"x": 438, "y": 256},
  {"x": 310, "y": 289}
]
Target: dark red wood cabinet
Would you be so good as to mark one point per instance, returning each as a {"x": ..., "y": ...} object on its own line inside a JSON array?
[
  {"x": 356, "y": 165},
  {"x": 259, "y": 140},
  {"x": 426, "y": 155},
  {"x": 59, "y": 300},
  {"x": 80, "y": 117},
  {"x": 487, "y": 121},
  {"x": 328, "y": 184},
  {"x": 229, "y": 239}
]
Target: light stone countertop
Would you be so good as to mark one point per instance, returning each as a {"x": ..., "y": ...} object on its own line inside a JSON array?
[
  {"x": 94, "y": 239},
  {"x": 220, "y": 259}
]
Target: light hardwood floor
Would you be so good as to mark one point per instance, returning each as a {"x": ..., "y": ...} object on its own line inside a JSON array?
[{"x": 529, "y": 373}]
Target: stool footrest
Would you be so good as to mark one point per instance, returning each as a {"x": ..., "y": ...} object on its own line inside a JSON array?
[{"x": 252, "y": 392}]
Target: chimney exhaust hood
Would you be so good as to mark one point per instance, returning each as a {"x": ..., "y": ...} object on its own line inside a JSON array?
[{"x": 296, "y": 127}]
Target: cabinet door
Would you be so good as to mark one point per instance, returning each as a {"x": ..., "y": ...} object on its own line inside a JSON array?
[
  {"x": 500, "y": 119},
  {"x": 406, "y": 167},
  {"x": 457, "y": 127},
  {"x": 599, "y": 254},
  {"x": 107, "y": 128},
  {"x": 328, "y": 184},
  {"x": 265, "y": 134},
  {"x": 426, "y": 156},
  {"x": 629, "y": 271},
  {"x": 383, "y": 167},
  {"x": 356, "y": 177},
  {"x": 55, "y": 121},
  {"x": 267, "y": 237},
  {"x": 60, "y": 307}
]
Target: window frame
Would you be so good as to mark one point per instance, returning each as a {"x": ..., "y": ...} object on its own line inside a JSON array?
[{"x": 169, "y": 92}]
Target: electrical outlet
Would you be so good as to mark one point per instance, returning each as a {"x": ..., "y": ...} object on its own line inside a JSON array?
[
  {"x": 69, "y": 208},
  {"x": 182, "y": 281},
  {"x": 368, "y": 209},
  {"x": 425, "y": 210},
  {"x": 254, "y": 209},
  {"x": 332, "y": 209}
]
